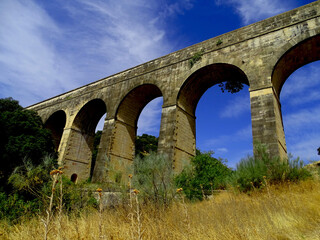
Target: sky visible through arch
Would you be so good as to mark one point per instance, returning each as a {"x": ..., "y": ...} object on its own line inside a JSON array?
[{"x": 50, "y": 47}]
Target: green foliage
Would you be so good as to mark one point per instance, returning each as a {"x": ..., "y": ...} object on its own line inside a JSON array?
[
  {"x": 205, "y": 174},
  {"x": 22, "y": 135},
  {"x": 256, "y": 172},
  {"x": 231, "y": 86},
  {"x": 13, "y": 207},
  {"x": 30, "y": 184},
  {"x": 196, "y": 57},
  {"x": 153, "y": 178},
  {"x": 96, "y": 143},
  {"x": 33, "y": 184},
  {"x": 219, "y": 42},
  {"x": 146, "y": 144},
  {"x": 78, "y": 197},
  {"x": 31, "y": 180}
]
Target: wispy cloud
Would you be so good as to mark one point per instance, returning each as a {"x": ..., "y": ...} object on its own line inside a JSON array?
[
  {"x": 302, "y": 119},
  {"x": 254, "y": 10},
  {"x": 49, "y": 48},
  {"x": 30, "y": 68},
  {"x": 301, "y": 86},
  {"x": 306, "y": 147},
  {"x": 240, "y": 104},
  {"x": 241, "y": 134}
]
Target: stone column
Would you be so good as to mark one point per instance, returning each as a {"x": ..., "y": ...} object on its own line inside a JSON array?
[
  {"x": 267, "y": 126},
  {"x": 177, "y": 136},
  {"x": 101, "y": 165},
  {"x": 77, "y": 156}
]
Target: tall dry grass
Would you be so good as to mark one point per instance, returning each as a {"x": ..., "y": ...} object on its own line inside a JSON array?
[{"x": 288, "y": 211}]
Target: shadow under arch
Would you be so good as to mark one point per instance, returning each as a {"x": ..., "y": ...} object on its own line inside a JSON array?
[
  {"x": 80, "y": 145},
  {"x": 56, "y": 123},
  {"x": 123, "y": 144},
  {"x": 189, "y": 95},
  {"x": 304, "y": 52}
]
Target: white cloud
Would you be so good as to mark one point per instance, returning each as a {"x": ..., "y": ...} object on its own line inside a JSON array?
[
  {"x": 302, "y": 86},
  {"x": 150, "y": 117},
  {"x": 254, "y": 10},
  {"x": 30, "y": 68},
  {"x": 51, "y": 47},
  {"x": 240, "y": 135},
  {"x": 221, "y": 150},
  {"x": 305, "y": 118},
  {"x": 306, "y": 147},
  {"x": 239, "y": 105}
]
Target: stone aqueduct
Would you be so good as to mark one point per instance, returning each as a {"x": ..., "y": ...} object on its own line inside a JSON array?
[{"x": 261, "y": 55}]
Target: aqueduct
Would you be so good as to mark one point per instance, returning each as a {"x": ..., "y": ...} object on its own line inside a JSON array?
[{"x": 261, "y": 55}]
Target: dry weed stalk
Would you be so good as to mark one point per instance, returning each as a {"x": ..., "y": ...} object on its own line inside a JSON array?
[
  {"x": 266, "y": 185},
  {"x": 134, "y": 215},
  {"x": 186, "y": 214},
  {"x": 139, "y": 230},
  {"x": 60, "y": 204},
  {"x": 54, "y": 175},
  {"x": 101, "y": 236}
]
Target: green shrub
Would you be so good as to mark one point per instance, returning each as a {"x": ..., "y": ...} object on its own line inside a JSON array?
[
  {"x": 78, "y": 197},
  {"x": 255, "y": 172},
  {"x": 153, "y": 178},
  {"x": 13, "y": 207},
  {"x": 204, "y": 175}
]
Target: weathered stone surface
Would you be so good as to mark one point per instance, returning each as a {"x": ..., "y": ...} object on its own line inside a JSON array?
[{"x": 261, "y": 55}]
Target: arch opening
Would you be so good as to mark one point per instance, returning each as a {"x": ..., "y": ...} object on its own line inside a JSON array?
[
  {"x": 299, "y": 55},
  {"x": 148, "y": 128},
  {"x": 300, "y": 101},
  {"x": 127, "y": 115},
  {"x": 205, "y": 82},
  {"x": 81, "y": 144},
  {"x": 74, "y": 178},
  {"x": 200, "y": 81},
  {"x": 295, "y": 79},
  {"x": 56, "y": 123}
]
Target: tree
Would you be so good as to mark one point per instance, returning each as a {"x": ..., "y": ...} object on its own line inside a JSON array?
[
  {"x": 318, "y": 151},
  {"x": 22, "y": 136},
  {"x": 96, "y": 143},
  {"x": 205, "y": 174},
  {"x": 146, "y": 144}
]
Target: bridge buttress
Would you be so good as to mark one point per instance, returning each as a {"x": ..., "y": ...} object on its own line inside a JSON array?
[{"x": 267, "y": 126}]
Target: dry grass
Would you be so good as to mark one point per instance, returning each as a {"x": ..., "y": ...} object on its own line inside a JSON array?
[{"x": 287, "y": 212}]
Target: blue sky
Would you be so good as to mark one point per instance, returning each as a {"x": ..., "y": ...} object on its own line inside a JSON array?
[{"x": 50, "y": 47}]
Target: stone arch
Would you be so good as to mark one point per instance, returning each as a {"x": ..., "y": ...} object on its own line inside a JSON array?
[
  {"x": 188, "y": 97},
  {"x": 204, "y": 78},
  {"x": 125, "y": 127},
  {"x": 80, "y": 143},
  {"x": 56, "y": 124},
  {"x": 304, "y": 52}
]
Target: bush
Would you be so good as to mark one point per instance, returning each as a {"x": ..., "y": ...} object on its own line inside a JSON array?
[
  {"x": 78, "y": 197},
  {"x": 32, "y": 181},
  {"x": 253, "y": 172},
  {"x": 153, "y": 178},
  {"x": 13, "y": 207},
  {"x": 204, "y": 175}
]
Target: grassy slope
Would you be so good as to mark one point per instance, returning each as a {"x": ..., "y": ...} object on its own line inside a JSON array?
[{"x": 289, "y": 211}]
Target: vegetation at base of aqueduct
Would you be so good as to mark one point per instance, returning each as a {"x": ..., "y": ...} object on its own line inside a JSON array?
[{"x": 154, "y": 199}]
